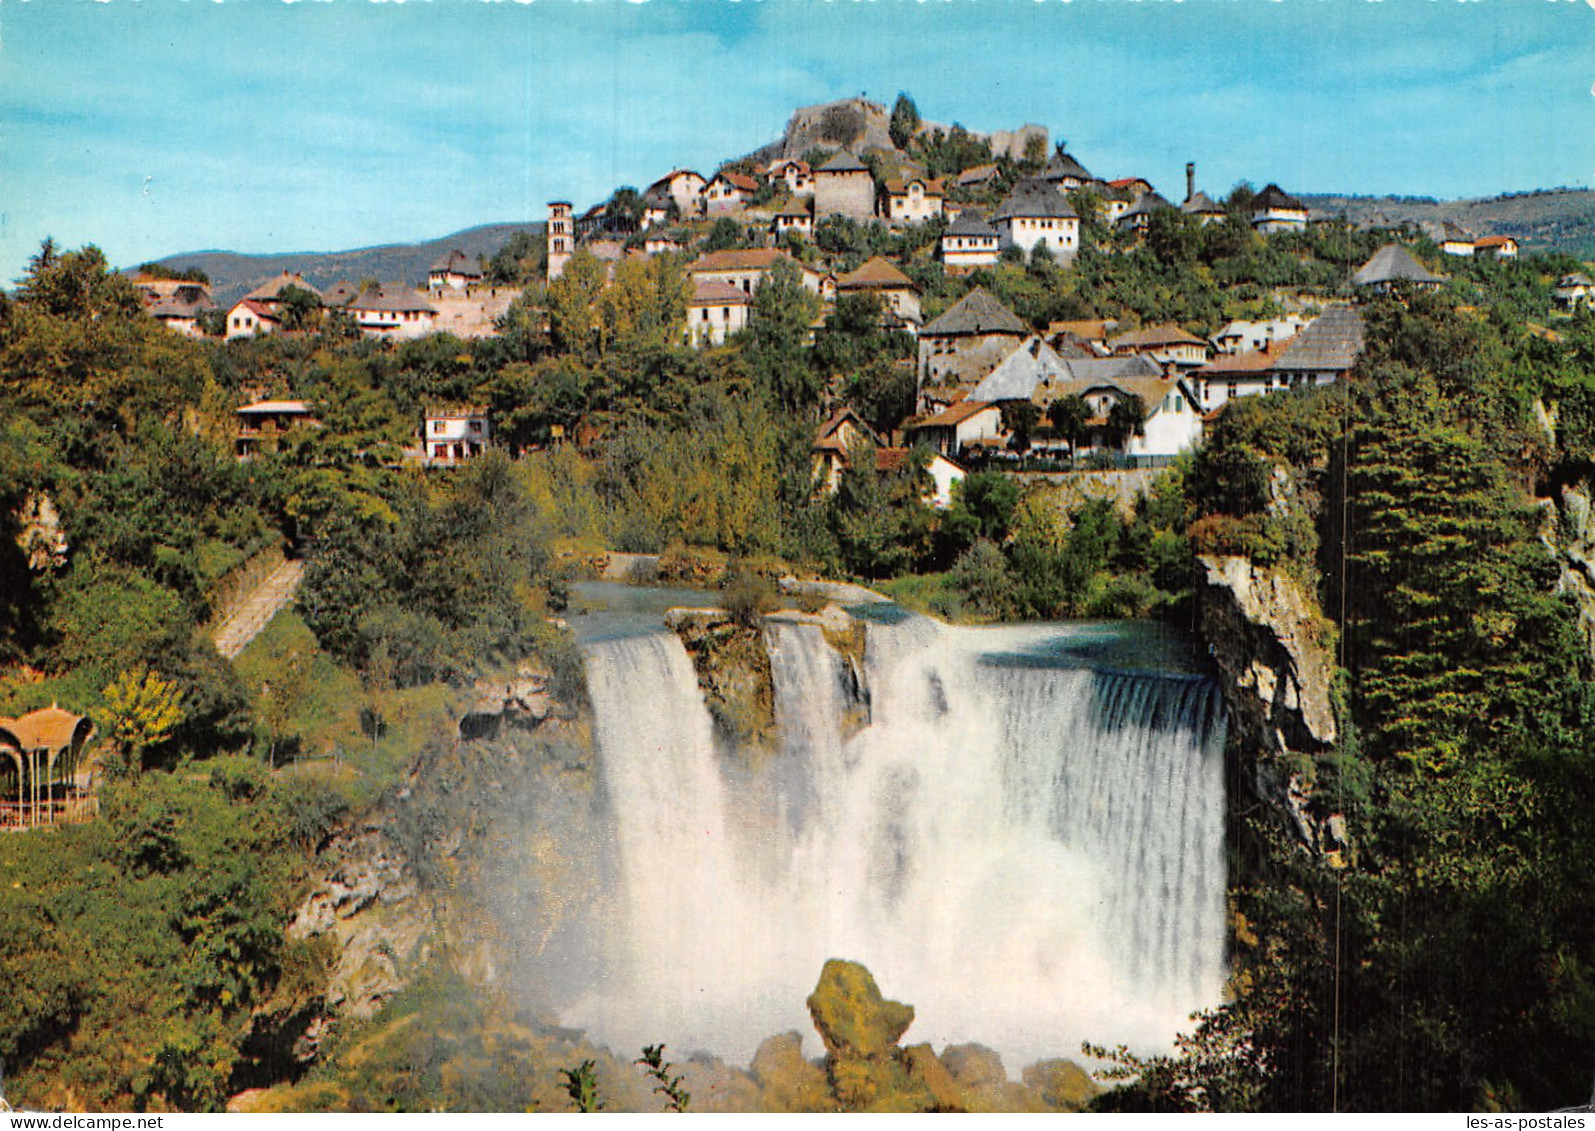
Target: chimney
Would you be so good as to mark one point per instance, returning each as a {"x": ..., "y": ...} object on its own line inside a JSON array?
[{"x": 1190, "y": 179}]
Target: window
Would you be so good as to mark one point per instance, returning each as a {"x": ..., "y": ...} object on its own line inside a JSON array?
[{"x": 437, "y": 427}]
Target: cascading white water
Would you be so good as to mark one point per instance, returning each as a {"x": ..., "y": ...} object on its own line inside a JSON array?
[{"x": 1027, "y": 851}]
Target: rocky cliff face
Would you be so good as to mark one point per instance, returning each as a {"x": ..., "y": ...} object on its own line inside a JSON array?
[
  {"x": 1570, "y": 536},
  {"x": 1272, "y": 647}
]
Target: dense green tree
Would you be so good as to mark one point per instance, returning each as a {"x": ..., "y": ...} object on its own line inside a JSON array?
[{"x": 905, "y": 121}]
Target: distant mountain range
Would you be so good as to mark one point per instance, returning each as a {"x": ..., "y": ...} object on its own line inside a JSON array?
[
  {"x": 1559, "y": 219},
  {"x": 233, "y": 275}
]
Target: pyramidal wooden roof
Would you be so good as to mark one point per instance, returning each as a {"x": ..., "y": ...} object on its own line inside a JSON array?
[
  {"x": 976, "y": 313},
  {"x": 877, "y": 273},
  {"x": 1390, "y": 264}
]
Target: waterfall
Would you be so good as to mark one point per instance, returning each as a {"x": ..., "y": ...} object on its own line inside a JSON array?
[{"x": 1029, "y": 851}]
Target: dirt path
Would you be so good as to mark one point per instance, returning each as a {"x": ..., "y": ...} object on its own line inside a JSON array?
[{"x": 268, "y": 599}]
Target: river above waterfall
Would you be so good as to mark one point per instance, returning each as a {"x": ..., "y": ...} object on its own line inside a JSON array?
[{"x": 1018, "y": 829}]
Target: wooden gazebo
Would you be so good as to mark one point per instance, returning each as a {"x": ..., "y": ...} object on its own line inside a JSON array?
[{"x": 44, "y": 779}]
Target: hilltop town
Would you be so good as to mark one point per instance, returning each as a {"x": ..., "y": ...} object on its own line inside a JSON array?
[{"x": 922, "y": 223}]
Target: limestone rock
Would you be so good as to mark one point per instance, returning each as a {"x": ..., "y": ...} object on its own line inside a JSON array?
[
  {"x": 1062, "y": 1084},
  {"x": 40, "y": 536},
  {"x": 852, "y": 1017},
  {"x": 786, "y": 1081}
]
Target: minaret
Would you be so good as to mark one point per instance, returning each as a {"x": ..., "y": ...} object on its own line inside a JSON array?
[
  {"x": 1190, "y": 179},
  {"x": 561, "y": 237}
]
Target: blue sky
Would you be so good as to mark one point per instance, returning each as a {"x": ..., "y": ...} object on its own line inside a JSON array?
[{"x": 162, "y": 126}]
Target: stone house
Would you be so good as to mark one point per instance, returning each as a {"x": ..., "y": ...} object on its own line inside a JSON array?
[
  {"x": 844, "y": 186},
  {"x": 968, "y": 340}
]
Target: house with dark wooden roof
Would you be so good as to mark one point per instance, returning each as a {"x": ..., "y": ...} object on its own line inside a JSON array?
[
  {"x": 176, "y": 304},
  {"x": 1201, "y": 207},
  {"x": 796, "y": 216},
  {"x": 392, "y": 311},
  {"x": 1324, "y": 350},
  {"x": 1035, "y": 215},
  {"x": 1275, "y": 210},
  {"x": 1064, "y": 173},
  {"x": 1167, "y": 344},
  {"x": 830, "y": 452},
  {"x": 1394, "y": 264},
  {"x": 969, "y": 242},
  {"x": 968, "y": 340},
  {"x": 1575, "y": 290},
  {"x": 1139, "y": 215},
  {"x": 1455, "y": 240},
  {"x": 455, "y": 271}
]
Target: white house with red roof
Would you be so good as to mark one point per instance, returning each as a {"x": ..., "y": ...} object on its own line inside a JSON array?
[
  {"x": 728, "y": 192},
  {"x": 251, "y": 318}
]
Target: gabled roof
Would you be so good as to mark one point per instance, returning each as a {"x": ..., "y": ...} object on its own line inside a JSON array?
[
  {"x": 712, "y": 292},
  {"x": 1575, "y": 280},
  {"x": 1018, "y": 374},
  {"x": 828, "y": 438},
  {"x": 1493, "y": 241},
  {"x": 843, "y": 162},
  {"x": 970, "y": 223},
  {"x": 386, "y": 297},
  {"x": 1275, "y": 199},
  {"x": 457, "y": 263},
  {"x": 1201, "y": 205},
  {"x": 1146, "y": 204},
  {"x": 738, "y": 180},
  {"x": 876, "y": 274},
  {"x": 801, "y": 208},
  {"x": 664, "y": 181},
  {"x": 1254, "y": 361},
  {"x": 1061, "y": 166},
  {"x": 741, "y": 259},
  {"x": 1111, "y": 369},
  {"x": 1154, "y": 337},
  {"x": 977, "y": 175},
  {"x": 1034, "y": 199},
  {"x": 257, "y": 308},
  {"x": 955, "y": 414},
  {"x": 1390, "y": 263},
  {"x": 976, "y": 313},
  {"x": 900, "y": 186},
  {"x": 271, "y": 288},
  {"x": 340, "y": 293},
  {"x": 1331, "y": 341}
]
